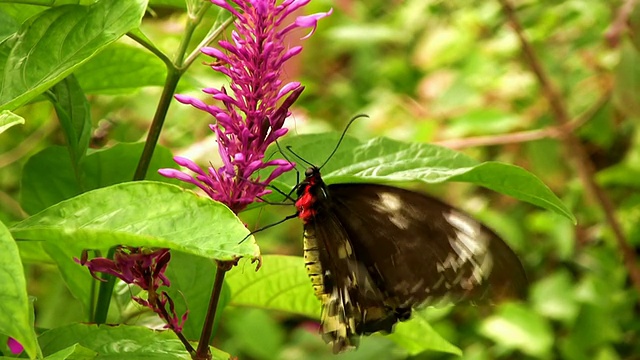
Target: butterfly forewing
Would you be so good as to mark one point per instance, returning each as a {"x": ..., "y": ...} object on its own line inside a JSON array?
[{"x": 420, "y": 250}]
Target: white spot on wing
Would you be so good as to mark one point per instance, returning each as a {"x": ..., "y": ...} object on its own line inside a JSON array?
[
  {"x": 471, "y": 249},
  {"x": 391, "y": 205}
]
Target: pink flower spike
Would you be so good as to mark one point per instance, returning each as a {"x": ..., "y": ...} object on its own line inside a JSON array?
[{"x": 251, "y": 110}]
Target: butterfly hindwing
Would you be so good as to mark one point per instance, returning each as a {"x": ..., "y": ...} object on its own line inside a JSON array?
[{"x": 352, "y": 304}]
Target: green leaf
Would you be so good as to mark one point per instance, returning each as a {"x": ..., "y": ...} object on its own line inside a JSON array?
[
  {"x": 73, "y": 113},
  {"x": 48, "y": 176},
  {"x": 516, "y": 182},
  {"x": 388, "y": 161},
  {"x": 8, "y": 26},
  {"x": 9, "y": 119},
  {"x": 78, "y": 280},
  {"x": 554, "y": 297},
  {"x": 14, "y": 303},
  {"x": 191, "y": 285},
  {"x": 120, "y": 69},
  {"x": 141, "y": 213},
  {"x": 52, "y": 44},
  {"x": 255, "y": 332},
  {"x": 116, "y": 342},
  {"x": 32, "y": 252},
  {"x": 118, "y": 164},
  {"x": 621, "y": 174},
  {"x": 280, "y": 284},
  {"x": 73, "y": 352},
  {"x": 21, "y": 12},
  {"x": 417, "y": 336},
  {"x": 518, "y": 327},
  {"x": 47, "y": 179},
  {"x": 595, "y": 326}
]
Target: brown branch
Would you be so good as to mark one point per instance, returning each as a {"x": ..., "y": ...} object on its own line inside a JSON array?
[
  {"x": 525, "y": 136},
  {"x": 620, "y": 23},
  {"x": 573, "y": 147}
]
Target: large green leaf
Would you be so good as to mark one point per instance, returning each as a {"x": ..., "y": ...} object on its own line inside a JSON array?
[
  {"x": 53, "y": 43},
  {"x": 388, "y": 161},
  {"x": 282, "y": 284},
  {"x": 119, "y": 342},
  {"x": 49, "y": 178},
  {"x": 141, "y": 214},
  {"x": 14, "y": 304}
]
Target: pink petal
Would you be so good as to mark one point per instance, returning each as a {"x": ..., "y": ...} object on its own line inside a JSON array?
[{"x": 14, "y": 346}]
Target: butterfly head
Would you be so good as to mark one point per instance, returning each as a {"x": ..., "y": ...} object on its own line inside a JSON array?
[{"x": 312, "y": 173}]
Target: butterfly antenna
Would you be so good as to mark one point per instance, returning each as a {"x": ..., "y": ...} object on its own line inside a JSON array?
[
  {"x": 289, "y": 161},
  {"x": 290, "y": 148},
  {"x": 282, "y": 152},
  {"x": 341, "y": 138}
]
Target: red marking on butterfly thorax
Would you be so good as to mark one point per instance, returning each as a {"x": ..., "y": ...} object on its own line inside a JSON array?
[{"x": 307, "y": 199}]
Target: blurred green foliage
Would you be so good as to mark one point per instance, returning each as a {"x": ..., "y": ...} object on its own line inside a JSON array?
[{"x": 424, "y": 71}]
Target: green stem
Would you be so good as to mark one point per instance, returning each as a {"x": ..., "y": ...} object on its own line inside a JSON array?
[
  {"x": 142, "y": 40},
  {"x": 188, "y": 33},
  {"x": 207, "y": 40},
  {"x": 203, "y": 353},
  {"x": 104, "y": 294},
  {"x": 170, "y": 84}
]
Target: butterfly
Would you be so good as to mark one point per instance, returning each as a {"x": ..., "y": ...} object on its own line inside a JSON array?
[{"x": 375, "y": 252}]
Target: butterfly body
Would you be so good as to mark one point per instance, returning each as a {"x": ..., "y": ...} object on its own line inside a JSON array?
[{"x": 374, "y": 252}]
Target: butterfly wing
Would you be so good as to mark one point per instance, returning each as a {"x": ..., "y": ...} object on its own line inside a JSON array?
[
  {"x": 343, "y": 285},
  {"x": 418, "y": 250}
]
